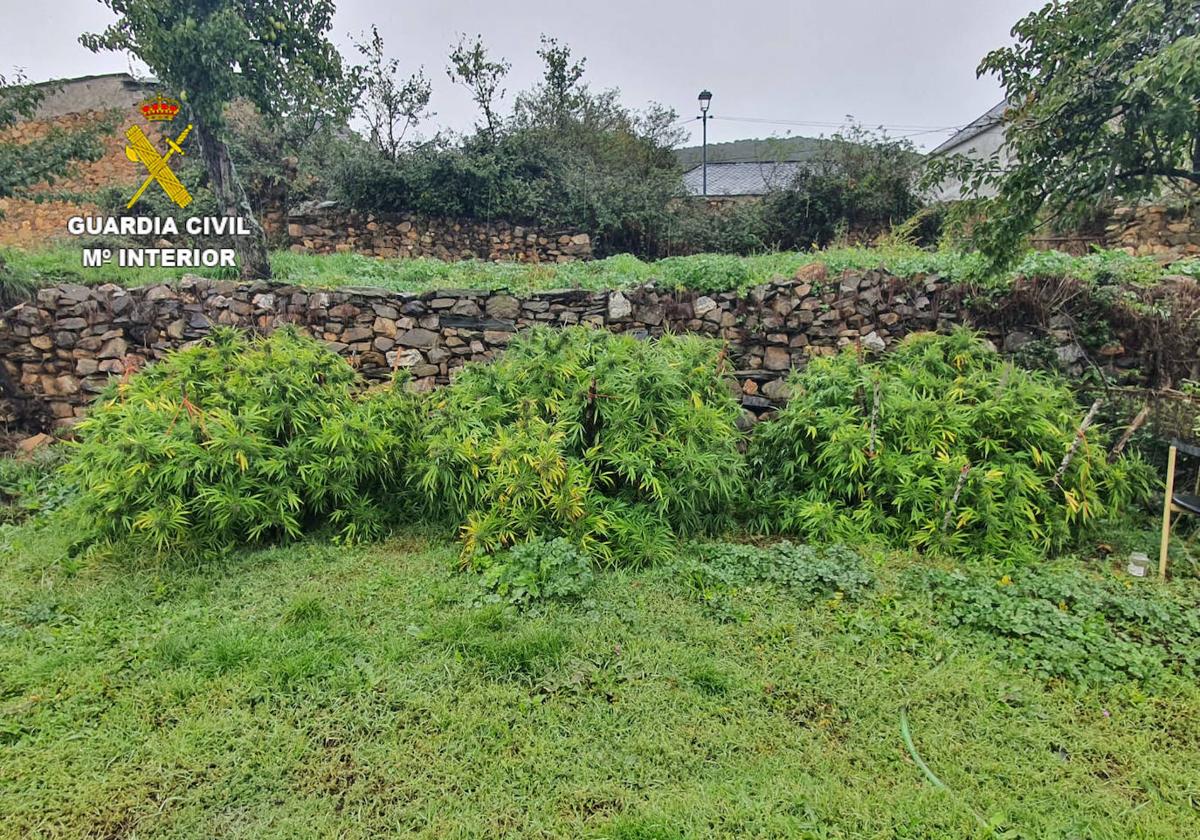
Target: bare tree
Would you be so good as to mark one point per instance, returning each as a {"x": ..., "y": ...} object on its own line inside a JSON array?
[
  {"x": 471, "y": 67},
  {"x": 390, "y": 106}
]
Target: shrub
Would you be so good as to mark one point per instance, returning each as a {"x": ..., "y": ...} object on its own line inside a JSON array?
[
  {"x": 537, "y": 570},
  {"x": 860, "y": 185},
  {"x": 941, "y": 444},
  {"x": 16, "y": 285},
  {"x": 706, "y": 272},
  {"x": 1071, "y": 626},
  {"x": 239, "y": 440},
  {"x": 806, "y": 572},
  {"x": 610, "y": 181},
  {"x": 616, "y": 444},
  {"x": 690, "y": 227}
]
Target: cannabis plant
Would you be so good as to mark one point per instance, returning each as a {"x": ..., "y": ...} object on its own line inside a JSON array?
[
  {"x": 942, "y": 444},
  {"x": 240, "y": 440},
  {"x": 617, "y": 444}
]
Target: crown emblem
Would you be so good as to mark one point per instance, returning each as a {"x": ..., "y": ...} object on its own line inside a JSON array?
[{"x": 160, "y": 109}]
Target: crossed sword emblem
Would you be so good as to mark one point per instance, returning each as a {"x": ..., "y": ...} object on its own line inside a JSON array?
[{"x": 141, "y": 149}]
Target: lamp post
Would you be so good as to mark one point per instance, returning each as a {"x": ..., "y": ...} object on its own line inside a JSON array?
[{"x": 705, "y": 98}]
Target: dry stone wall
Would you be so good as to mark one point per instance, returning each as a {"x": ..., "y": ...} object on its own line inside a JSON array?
[
  {"x": 1164, "y": 231},
  {"x": 328, "y": 229},
  {"x": 61, "y": 349}
]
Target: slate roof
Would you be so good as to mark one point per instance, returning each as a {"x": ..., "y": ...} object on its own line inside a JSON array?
[
  {"x": 124, "y": 78},
  {"x": 973, "y": 129},
  {"x": 742, "y": 178}
]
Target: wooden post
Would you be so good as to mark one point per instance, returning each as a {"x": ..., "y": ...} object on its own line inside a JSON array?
[{"x": 1166, "y": 526}]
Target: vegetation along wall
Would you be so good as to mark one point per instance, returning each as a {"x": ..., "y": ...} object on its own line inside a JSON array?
[
  {"x": 1161, "y": 230},
  {"x": 61, "y": 349}
]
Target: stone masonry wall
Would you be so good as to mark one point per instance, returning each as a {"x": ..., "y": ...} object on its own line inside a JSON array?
[
  {"x": 326, "y": 230},
  {"x": 70, "y": 104},
  {"x": 25, "y": 222},
  {"x": 59, "y": 350},
  {"x": 1167, "y": 231}
]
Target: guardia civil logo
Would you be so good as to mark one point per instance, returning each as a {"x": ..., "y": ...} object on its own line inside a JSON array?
[
  {"x": 157, "y": 165},
  {"x": 141, "y": 150}
]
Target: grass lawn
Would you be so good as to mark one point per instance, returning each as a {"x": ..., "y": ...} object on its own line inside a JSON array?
[{"x": 322, "y": 691}]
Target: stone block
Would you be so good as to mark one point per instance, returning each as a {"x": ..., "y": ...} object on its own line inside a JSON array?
[
  {"x": 114, "y": 348},
  {"x": 777, "y": 358},
  {"x": 651, "y": 315},
  {"x": 419, "y": 337},
  {"x": 86, "y": 366},
  {"x": 776, "y": 389},
  {"x": 504, "y": 307},
  {"x": 703, "y": 305},
  {"x": 356, "y": 334},
  {"x": 619, "y": 307}
]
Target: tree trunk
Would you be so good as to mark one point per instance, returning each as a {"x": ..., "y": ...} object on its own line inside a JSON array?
[
  {"x": 231, "y": 198},
  {"x": 1196, "y": 150}
]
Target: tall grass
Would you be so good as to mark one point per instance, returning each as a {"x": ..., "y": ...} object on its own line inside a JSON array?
[{"x": 700, "y": 272}]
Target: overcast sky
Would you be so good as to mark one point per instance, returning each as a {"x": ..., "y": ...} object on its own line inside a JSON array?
[{"x": 799, "y": 67}]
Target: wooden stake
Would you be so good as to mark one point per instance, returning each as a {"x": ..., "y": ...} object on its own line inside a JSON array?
[
  {"x": 1133, "y": 427},
  {"x": 962, "y": 479},
  {"x": 1083, "y": 427},
  {"x": 1166, "y": 524}
]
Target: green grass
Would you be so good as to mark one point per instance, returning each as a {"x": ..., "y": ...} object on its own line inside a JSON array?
[
  {"x": 315, "y": 691},
  {"x": 703, "y": 272}
]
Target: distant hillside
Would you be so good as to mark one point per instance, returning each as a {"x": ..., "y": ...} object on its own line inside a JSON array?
[
  {"x": 764, "y": 150},
  {"x": 770, "y": 149}
]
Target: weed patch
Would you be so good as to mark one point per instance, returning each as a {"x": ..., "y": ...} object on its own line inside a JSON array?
[
  {"x": 28, "y": 269},
  {"x": 1069, "y": 625},
  {"x": 32, "y": 485},
  {"x": 535, "y": 571}
]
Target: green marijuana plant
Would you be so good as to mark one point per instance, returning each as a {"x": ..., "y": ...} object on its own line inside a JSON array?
[
  {"x": 240, "y": 440},
  {"x": 617, "y": 444},
  {"x": 942, "y": 444}
]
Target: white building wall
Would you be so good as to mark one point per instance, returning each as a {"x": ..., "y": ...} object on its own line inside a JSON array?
[{"x": 980, "y": 140}]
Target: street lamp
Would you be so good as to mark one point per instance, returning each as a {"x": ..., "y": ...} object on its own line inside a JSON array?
[{"x": 705, "y": 98}]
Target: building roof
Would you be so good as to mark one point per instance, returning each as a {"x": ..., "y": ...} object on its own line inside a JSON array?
[
  {"x": 741, "y": 177},
  {"x": 120, "y": 76},
  {"x": 993, "y": 118},
  {"x": 89, "y": 93}
]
